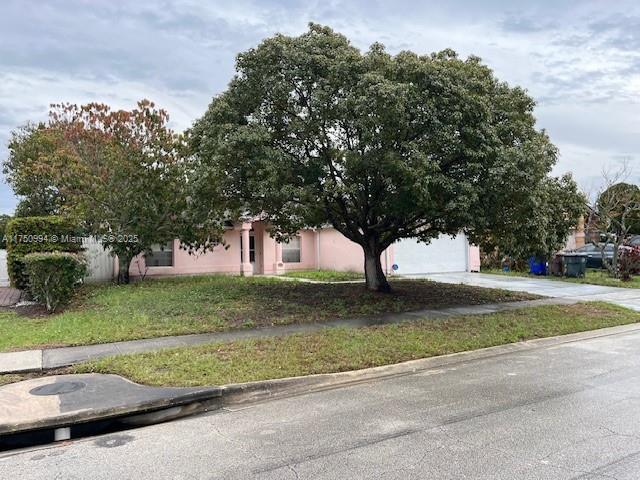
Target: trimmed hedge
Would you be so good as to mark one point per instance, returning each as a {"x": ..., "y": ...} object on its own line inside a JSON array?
[
  {"x": 27, "y": 235},
  {"x": 3, "y": 227},
  {"x": 53, "y": 277}
]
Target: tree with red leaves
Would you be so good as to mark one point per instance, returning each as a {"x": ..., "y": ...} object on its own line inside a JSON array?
[{"x": 124, "y": 174}]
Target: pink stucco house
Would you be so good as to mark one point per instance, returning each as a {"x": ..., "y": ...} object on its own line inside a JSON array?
[{"x": 250, "y": 250}]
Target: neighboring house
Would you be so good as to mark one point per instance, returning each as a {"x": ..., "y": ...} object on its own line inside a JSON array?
[
  {"x": 577, "y": 236},
  {"x": 249, "y": 250}
]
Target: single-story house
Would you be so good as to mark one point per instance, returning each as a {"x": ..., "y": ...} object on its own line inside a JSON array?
[{"x": 249, "y": 250}]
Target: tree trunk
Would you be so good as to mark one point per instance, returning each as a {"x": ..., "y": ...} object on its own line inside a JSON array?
[
  {"x": 373, "y": 273},
  {"x": 123, "y": 268}
]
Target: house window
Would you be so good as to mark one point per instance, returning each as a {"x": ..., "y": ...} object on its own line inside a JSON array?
[
  {"x": 291, "y": 251},
  {"x": 160, "y": 256}
]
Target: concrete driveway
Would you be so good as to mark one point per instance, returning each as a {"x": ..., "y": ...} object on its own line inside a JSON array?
[
  {"x": 626, "y": 297},
  {"x": 564, "y": 412}
]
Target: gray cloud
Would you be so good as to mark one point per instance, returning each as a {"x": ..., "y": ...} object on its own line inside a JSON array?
[
  {"x": 580, "y": 60},
  {"x": 520, "y": 24},
  {"x": 618, "y": 31}
]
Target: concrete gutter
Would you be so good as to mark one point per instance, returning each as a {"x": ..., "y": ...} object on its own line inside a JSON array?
[{"x": 67, "y": 400}]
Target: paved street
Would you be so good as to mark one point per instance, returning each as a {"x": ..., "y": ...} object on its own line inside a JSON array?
[
  {"x": 566, "y": 412},
  {"x": 626, "y": 297}
]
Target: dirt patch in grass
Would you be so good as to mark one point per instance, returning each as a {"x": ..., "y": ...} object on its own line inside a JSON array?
[{"x": 343, "y": 349}]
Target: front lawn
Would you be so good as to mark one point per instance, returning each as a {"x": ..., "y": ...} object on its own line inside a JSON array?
[
  {"x": 182, "y": 305},
  {"x": 342, "y": 349},
  {"x": 592, "y": 277},
  {"x": 325, "y": 275}
]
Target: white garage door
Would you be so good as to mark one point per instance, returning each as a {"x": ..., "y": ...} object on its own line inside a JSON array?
[
  {"x": 4, "y": 276},
  {"x": 445, "y": 254}
]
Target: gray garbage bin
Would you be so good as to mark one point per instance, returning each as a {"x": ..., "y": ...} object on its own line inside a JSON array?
[{"x": 575, "y": 264}]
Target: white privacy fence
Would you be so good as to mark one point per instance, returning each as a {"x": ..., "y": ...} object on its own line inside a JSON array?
[
  {"x": 4, "y": 273},
  {"x": 100, "y": 263}
]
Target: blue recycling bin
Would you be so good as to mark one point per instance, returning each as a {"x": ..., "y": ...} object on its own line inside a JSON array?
[{"x": 537, "y": 266}]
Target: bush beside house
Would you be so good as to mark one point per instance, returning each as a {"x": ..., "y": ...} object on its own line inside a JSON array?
[
  {"x": 53, "y": 277},
  {"x": 27, "y": 235},
  {"x": 4, "y": 219}
]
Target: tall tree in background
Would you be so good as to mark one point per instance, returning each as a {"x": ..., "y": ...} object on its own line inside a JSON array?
[
  {"x": 124, "y": 175},
  {"x": 312, "y": 132},
  {"x": 617, "y": 214}
]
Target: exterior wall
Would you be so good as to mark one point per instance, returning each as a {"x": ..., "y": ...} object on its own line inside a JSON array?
[
  {"x": 325, "y": 249},
  {"x": 268, "y": 245},
  {"x": 336, "y": 252},
  {"x": 339, "y": 253},
  {"x": 220, "y": 260},
  {"x": 577, "y": 237}
]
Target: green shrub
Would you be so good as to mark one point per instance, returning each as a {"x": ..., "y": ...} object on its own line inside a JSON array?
[
  {"x": 53, "y": 277},
  {"x": 3, "y": 227},
  {"x": 25, "y": 235}
]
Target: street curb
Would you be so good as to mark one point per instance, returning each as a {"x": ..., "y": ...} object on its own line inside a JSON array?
[
  {"x": 175, "y": 403},
  {"x": 241, "y": 394},
  {"x": 245, "y": 394}
]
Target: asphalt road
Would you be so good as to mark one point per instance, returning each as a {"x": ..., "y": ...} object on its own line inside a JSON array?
[{"x": 565, "y": 412}]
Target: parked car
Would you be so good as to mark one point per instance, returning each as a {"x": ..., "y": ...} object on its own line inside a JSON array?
[
  {"x": 634, "y": 241},
  {"x": 593, "y": 253}
]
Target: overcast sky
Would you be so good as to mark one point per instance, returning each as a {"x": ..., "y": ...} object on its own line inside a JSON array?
[{"x": 580, "y": 60}]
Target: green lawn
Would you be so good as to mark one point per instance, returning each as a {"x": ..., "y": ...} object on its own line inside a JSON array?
[
  {"x": 592, "y": 277},
  {"x": 342, "y": 349},
  {"x": 325, "y": 275},
  {"x": 181, "y": 305}
]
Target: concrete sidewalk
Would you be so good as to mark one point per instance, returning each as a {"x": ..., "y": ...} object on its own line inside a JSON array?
[
  {"x": 625, "y": 297},
  {"x": 37, "y": 360}
]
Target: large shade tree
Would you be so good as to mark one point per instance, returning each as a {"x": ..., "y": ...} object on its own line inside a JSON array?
[
  {"x": 122, "y": 173},
  {"x": 311, "y": 132}
]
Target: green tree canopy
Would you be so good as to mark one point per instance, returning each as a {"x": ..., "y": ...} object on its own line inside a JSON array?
[{"x": 311, "y": 131}]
